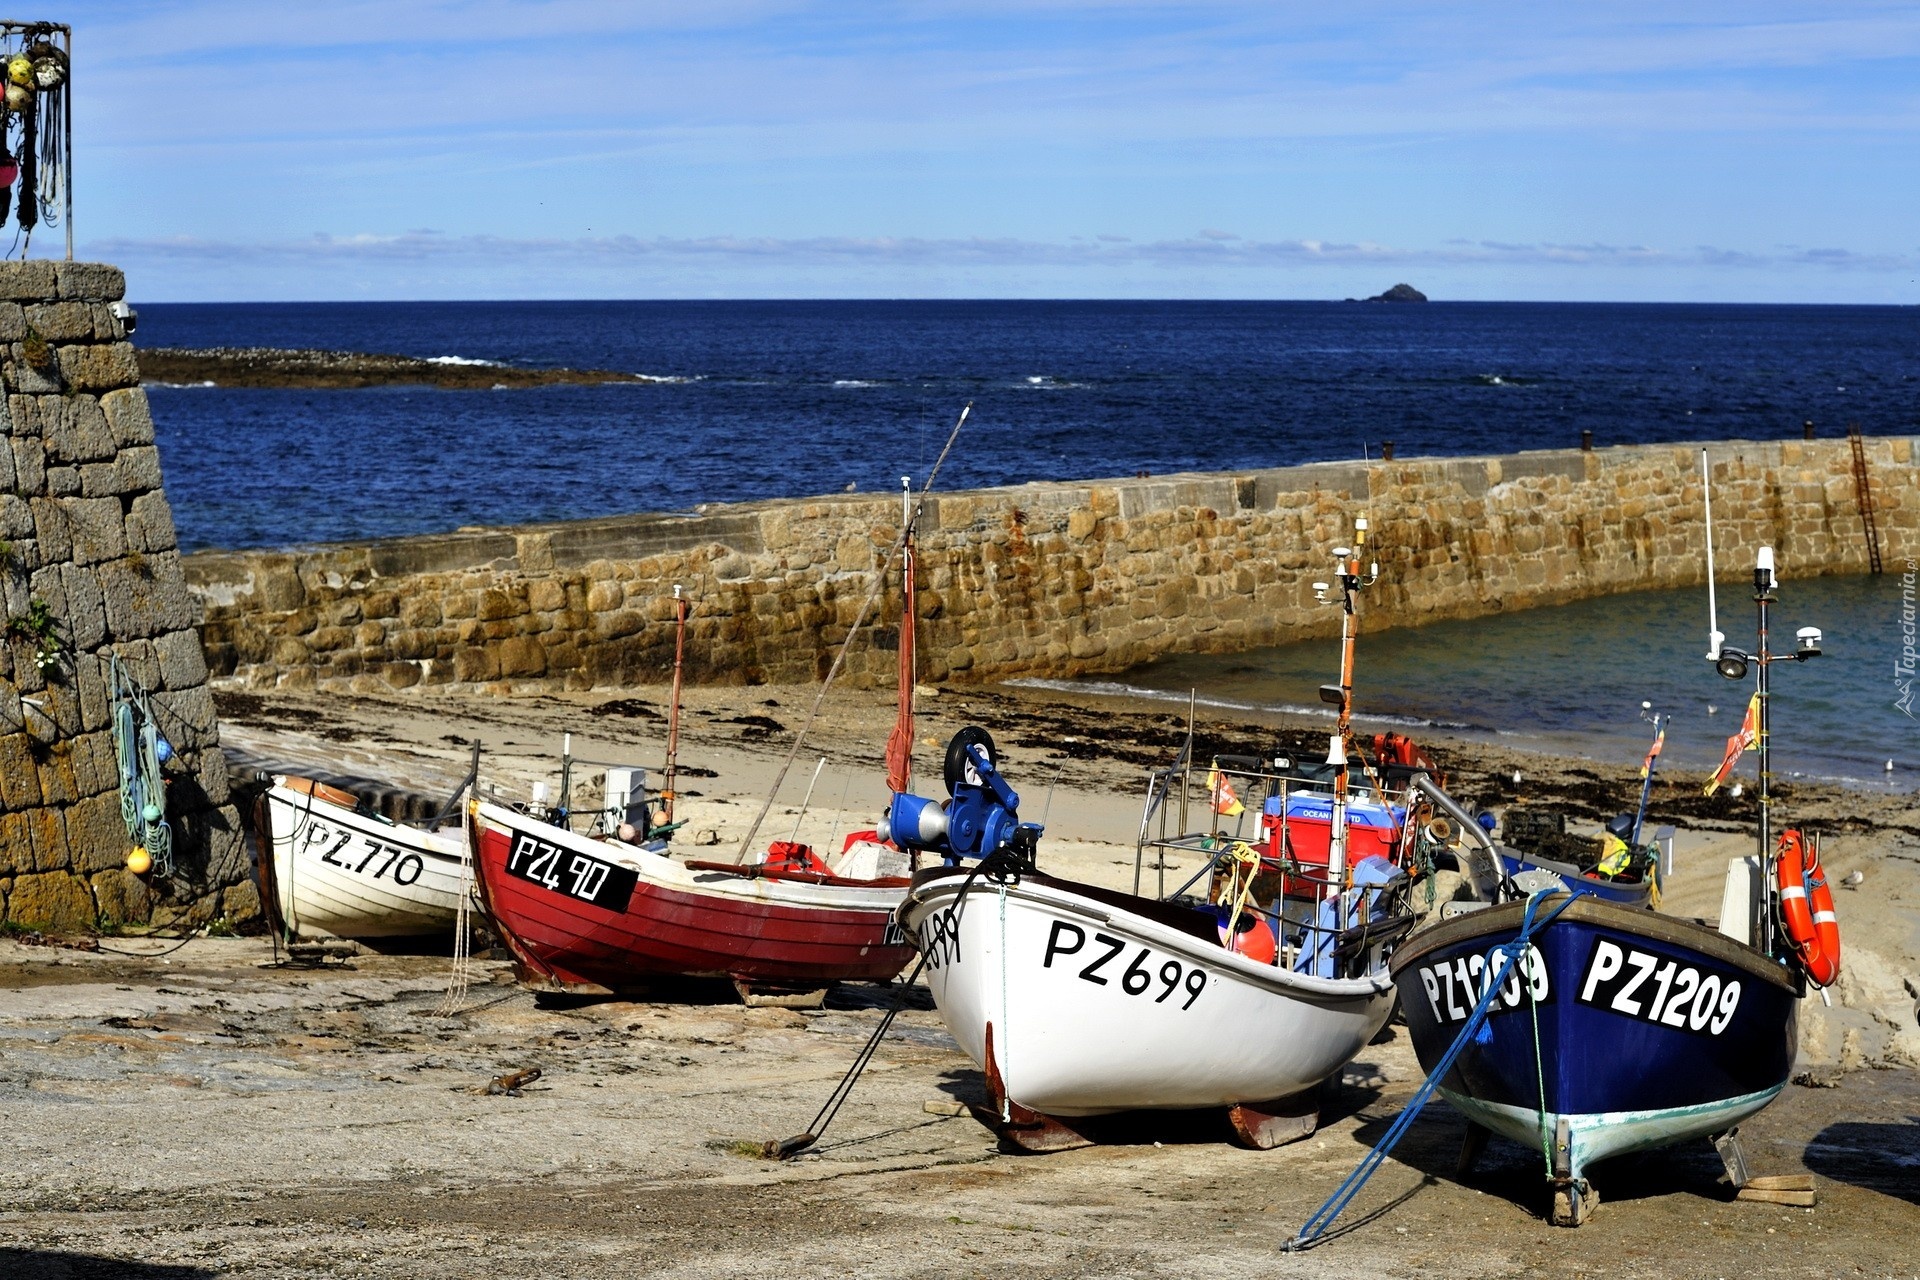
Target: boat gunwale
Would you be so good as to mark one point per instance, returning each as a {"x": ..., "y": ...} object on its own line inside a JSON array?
[
  {"x": 361, "y": 824},
  {"x": 1052, "y": 893},
  {"x": 1590, "y": 910},
  {"x": 665, "y": 872}
]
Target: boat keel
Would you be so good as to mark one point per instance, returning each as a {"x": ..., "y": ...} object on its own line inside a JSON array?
[
  {"x": 545, "y": 981},
  {"x": 1573, "y": 1199},
  {"x": 1018, "y": 1126},
  {"x": 1573, "y": 1203},
  {"x": 1266, "y": 1125}
]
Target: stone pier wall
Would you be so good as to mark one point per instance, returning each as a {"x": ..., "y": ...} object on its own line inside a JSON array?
[
  {"x": 89, "y": 568},
  {"x": 1053, "y": 579}
]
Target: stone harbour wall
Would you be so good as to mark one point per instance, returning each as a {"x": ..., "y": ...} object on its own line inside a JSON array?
[
  {"x": 1052, "y": 579},
  {"x": 89, "y": 568}
]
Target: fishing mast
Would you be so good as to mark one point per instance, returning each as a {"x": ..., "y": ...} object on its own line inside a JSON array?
[
  {"x": 1347, "y": 570},
  {"x": 900, "y": 741},
  {"x": 1734, "y": 664},
  {"x": 673, "y": 710}
]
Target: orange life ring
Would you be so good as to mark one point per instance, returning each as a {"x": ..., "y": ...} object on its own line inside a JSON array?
[
  {"x": 1806, "y": 905},
  {"x": 321, "y": 791}
]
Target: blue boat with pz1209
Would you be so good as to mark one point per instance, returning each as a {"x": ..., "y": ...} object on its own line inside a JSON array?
[{"x": 1615, "y": 1029}]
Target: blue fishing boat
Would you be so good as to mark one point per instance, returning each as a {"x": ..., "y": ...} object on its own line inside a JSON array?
[
  {"x": 1620, "y": 1030},
  {"x": 1609, "y": 1028}
]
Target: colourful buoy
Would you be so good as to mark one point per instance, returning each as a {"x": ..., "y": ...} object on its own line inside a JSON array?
[{"x": 139, "y": 861}]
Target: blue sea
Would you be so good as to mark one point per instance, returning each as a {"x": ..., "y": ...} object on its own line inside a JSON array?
[
  {"x": 751, "y": 400},
  {"x": 1572, "y": 679},
  {"x": 763, "y": 399}
]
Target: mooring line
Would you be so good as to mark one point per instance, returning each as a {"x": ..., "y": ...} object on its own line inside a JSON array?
[{"x": 1322, "y": 1218}]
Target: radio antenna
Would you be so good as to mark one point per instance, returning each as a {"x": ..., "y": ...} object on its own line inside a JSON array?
[{"x": 1715, "y": 637}]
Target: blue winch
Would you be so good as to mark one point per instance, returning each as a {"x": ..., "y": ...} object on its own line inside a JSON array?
[{"x": 981, "y": 818}]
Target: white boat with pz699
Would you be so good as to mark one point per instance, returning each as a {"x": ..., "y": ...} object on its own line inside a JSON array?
[{"x": 1079, "y": 1001}]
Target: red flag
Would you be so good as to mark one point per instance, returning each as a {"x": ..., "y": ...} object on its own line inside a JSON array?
[
  {"x": 1225, "y": 803},
  {"x": 900, "y": 741},
  {"x": 1659, "y": 741},
  {"x": 1746, "y": 740}
]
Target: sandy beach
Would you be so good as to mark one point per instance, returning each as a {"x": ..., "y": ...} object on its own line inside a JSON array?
[{"x": 200, "y": 1114}]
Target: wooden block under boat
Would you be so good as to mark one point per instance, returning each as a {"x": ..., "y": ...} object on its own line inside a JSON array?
[
  {"x": 764, "y": 996},
  {"x": 1781, "y": 1182},
  {"x": 1799, "y": 1199}
]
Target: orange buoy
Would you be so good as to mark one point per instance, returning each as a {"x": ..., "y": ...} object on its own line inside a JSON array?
[
  {"x": 1806, "y": 907},
  {"x": 139, "y": 861},
  {"x": 1255, "y": 941}
]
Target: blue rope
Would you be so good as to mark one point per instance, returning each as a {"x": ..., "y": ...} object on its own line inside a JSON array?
[{"x": 1317, "y": 1225}]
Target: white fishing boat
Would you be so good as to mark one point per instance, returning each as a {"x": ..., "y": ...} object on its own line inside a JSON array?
[
  {"x": 1081, "y": 1001},
  {"x": 332, "y": 869},
  {"x": 1078, "y": 1001}
]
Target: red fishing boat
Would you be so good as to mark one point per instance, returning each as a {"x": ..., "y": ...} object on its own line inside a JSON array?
[
  {"x": 602, "y": 913},
  {"x": 593, "y": 915}
]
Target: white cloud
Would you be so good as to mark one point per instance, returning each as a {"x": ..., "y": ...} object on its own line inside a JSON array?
[{"x": 1012, "y": 252}]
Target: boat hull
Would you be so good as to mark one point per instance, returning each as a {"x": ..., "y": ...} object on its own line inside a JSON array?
[
  {"x": 674, "y": 919},
  {"x": 1093, "y": 1005},
  {"x": 332, "y": 872},
  {"x": 1651, "y": 1030}
]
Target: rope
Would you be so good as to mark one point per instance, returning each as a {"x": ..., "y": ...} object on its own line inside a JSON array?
[
  {"x": 997, "y": 866},
  {"x": 860, "y": 620},
  {"x": 461, "y": 975},
  {"x": 136, "y": 748},
  {"x": 1246, "y": 859},
  {"x": 290, "y": 913},
  {"x": 1006, "y": 1037},
  {"x": 1539, "y": 1075},
  {"x": 152, "y": 955},
  {"x": 1322, "y": 1218}
]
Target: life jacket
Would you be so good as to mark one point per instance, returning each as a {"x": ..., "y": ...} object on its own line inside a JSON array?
[{"x": 1616, "y": 855}]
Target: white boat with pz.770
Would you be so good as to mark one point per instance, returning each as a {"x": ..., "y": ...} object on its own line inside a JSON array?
[
  {"x": 1080, "y": 1001},
  {"x": 332, "y": 867}
]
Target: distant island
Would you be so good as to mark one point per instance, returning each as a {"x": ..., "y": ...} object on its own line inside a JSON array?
[{"x": 1399, "y": 293}]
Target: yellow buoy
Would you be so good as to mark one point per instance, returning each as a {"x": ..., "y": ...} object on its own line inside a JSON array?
[
  {"x": 139, "y": 861},
  {"x": 20, "y": 70}
]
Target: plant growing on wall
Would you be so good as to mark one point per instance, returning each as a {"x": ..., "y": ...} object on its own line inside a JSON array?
[
  {"x": 39, "y": 628},
  {"x": 34, "y": 347}
]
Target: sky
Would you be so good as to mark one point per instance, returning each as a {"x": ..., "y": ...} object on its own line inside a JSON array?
[{"x": 1746, "y": 152}]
